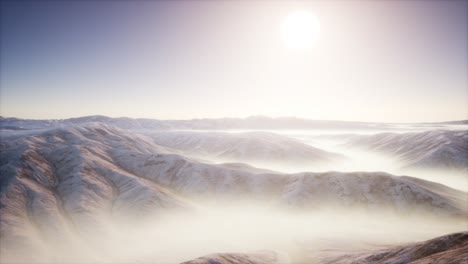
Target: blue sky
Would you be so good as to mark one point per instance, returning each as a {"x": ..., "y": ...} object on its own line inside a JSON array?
[{"x": 395, "y": 61}]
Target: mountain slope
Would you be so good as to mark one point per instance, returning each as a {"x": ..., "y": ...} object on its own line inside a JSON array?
[
  {"x": 449, "y": 249},
  {"x": 63, "y": 181},
  {"x": 79, "y": 159},
  {"x": 257, "y": 148},
  {"x": 238, "y": 258},
  {"x": 431, "y": 149},
  {"x": 72, "y": 180}
]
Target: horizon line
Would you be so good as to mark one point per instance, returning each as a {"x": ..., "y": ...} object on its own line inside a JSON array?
[{"x": 242, "y": 118}]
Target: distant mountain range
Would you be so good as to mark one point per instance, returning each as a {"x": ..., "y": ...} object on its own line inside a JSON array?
[{"x": 254, "y": 122}]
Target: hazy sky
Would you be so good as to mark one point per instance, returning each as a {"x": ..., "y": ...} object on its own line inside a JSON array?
[{"x": 372, "y": 61}]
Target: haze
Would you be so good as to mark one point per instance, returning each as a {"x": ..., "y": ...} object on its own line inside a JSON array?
[
  {"x": 237, "y": 227},
  {"x": 102, "y": 190},
  {"x": 228, "y": 132}
]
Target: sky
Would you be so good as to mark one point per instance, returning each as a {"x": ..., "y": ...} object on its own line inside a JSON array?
[{"x": 386, "y": 61}]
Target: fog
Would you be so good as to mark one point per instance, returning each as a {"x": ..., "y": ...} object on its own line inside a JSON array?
[
  {"x": 354, "y": 159},
  {"x": 248, "y": 227},
  {"x": 362, "y": 160},
  {"x": 296, "y": 235}
]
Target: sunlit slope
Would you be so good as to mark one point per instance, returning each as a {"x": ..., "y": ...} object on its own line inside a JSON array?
[
  {"x": 89, "y": 166},
  {"x": 440, "y": 149},
  {"x": 72, "y": 180},
  {"x": 263, "y": 149},
  {"x": 65, "y": 180}
]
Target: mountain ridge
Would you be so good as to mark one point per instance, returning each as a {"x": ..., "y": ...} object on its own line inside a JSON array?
[{"x": 252, "y": 122}]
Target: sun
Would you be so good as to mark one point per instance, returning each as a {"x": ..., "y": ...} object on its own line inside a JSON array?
[{"x": 300, "y": 29}]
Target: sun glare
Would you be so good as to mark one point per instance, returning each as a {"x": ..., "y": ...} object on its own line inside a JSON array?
[{"x": 300, "y": 30}]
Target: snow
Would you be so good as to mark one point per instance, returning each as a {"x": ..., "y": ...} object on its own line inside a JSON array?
[
  {"x": 434, "y": 149},
  {"x": 70, "y": 176}
]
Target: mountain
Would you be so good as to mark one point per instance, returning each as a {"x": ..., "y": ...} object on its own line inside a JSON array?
[
  {"x": 65, "y": 181},
  {"x": 250, "y": 123},
  {"x": 256, "y": 148},
  {"x": 61, "y": 182},
  {"x": 449, "y": 249},
  {"x": 82, "y": 171},
  {"x": 120, "y": 122},
  {"x": 239, "y": 258},
  {"x": 430, "y": 149},
  {"x": 74, "y": 153}
]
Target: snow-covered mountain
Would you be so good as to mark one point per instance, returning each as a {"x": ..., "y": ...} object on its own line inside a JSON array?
[
  {"x": 120, "y": 122},
  {"x": 83, "y": 171},
  {"x": 430, "y": 149},
  {"x": 266, "y": 257},
  {"x": 449, "y": 249},
  {"x": 72, "y": 179},
  {"x": 250, "y": 123},
  {"x": 61, "y": 180},
  {"x": 263, "y": 149}
]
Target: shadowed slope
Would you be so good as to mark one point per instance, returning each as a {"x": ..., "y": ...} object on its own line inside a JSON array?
[{"x": 449, "y": 249}]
